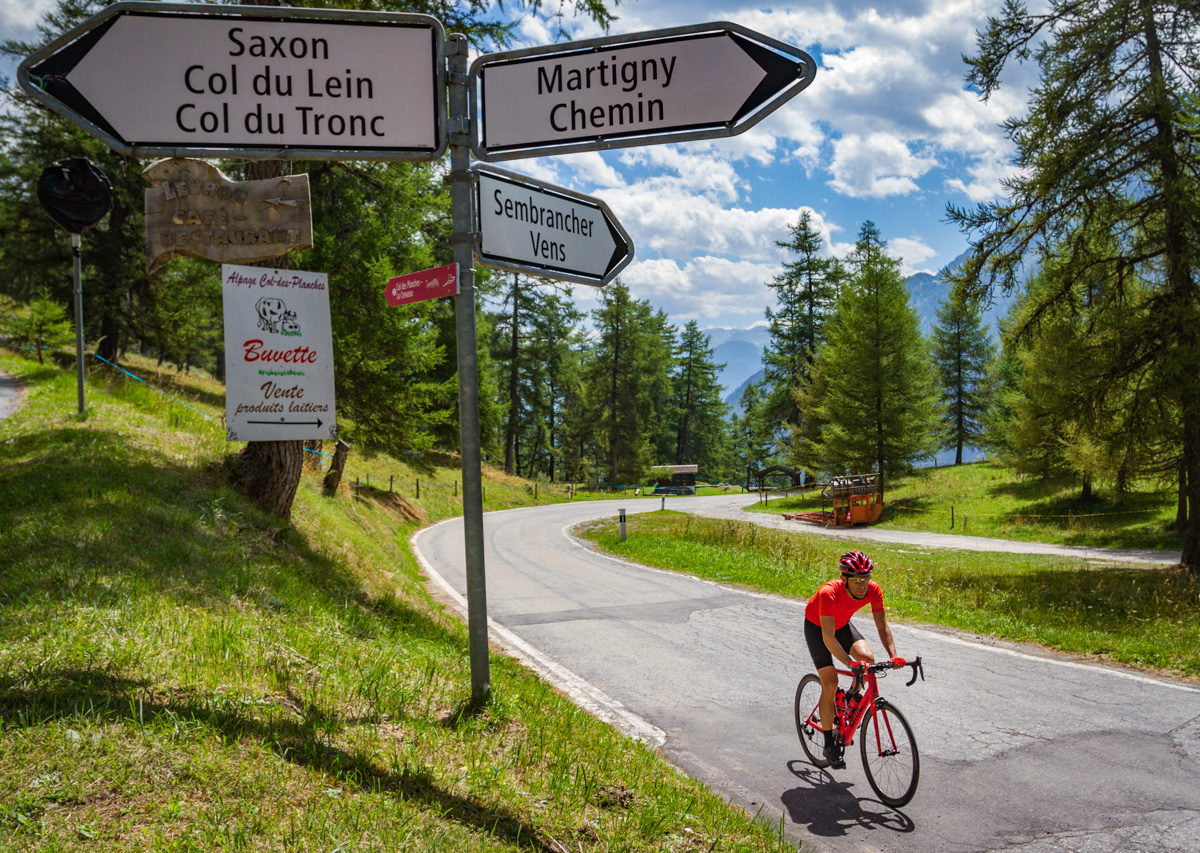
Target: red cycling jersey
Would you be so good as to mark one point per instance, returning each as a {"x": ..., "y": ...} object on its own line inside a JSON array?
[{"x": 833, "y": 599}]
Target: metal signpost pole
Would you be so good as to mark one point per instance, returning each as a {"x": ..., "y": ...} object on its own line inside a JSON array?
[
  {"x": 462, "y": 207},
  {"x": 77, "y": 251}
]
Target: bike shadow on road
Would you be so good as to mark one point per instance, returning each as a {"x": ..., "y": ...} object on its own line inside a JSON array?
[{"x": 829, "y": 808}]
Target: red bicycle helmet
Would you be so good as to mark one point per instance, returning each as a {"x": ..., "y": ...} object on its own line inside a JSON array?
[{"x": 856, "y": 564}]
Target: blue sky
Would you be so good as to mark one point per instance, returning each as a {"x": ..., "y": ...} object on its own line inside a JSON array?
[{"x": 888, "y": 131}]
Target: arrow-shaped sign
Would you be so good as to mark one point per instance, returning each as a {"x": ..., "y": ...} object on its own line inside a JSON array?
[
  {"x": 167, "y": 79},
  {"x": 670, "y": 85},
  {"x": 530, "y": 226}
]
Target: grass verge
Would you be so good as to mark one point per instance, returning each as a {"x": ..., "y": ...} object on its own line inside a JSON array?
[
  {"x": 985, "y": 499},
  {"x": 1147, "y": 618},
  {"x": 179, "y": 672}
]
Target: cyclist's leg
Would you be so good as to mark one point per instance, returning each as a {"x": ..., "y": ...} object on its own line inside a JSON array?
[
  {"x": 823, "y": 661},
  {"x": 858, "y": 647}
]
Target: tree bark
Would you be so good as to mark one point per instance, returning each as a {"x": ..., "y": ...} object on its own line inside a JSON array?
[
  {"x": 510, "y": 431},
  {"x": 1181, "y": 513},
  {"x": 269, "y": 471}
]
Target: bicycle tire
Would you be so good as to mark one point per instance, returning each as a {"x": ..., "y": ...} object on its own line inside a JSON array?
[
  {"x": 894, "y": 766},
  {"x": 812, "y": 740}
]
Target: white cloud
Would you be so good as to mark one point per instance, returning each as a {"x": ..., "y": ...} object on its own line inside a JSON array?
[
  {"x": 706, "y": 288},
  {"x": 911, "y": 251},
  {"x": 18, "y": 17},
  {"x": 876, "y": 166}
]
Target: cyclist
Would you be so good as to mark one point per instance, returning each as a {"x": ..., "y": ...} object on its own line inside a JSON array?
[{"x": 830, "y": 634}]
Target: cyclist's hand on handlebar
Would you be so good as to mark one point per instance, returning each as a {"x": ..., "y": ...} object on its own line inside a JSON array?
[{"x": 898, "y": 662}]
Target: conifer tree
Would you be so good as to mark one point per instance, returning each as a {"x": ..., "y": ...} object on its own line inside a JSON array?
[
  {"x": 627, "y": 377},
  {"x": 753, "y": 439},
  {"x": 700, "y": 426},
  {"x": 804, "y": 295},
  {"x": 879, "y": 404},
  {"x": 551, "y": 376},
  {"x": 963, "y": 351}
]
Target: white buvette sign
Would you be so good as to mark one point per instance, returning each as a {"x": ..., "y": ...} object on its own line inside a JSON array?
[
  {"x": 150, "y": 77},
  {"x": 278, "y": 355}
]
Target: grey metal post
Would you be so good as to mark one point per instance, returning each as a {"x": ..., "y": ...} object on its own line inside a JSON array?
[
  {"x": 77, "y": 251},
  {"x": 462, "y": 208}
]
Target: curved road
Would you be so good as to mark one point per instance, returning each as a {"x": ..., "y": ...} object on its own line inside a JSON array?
[{"x": 1021, "y": 750}]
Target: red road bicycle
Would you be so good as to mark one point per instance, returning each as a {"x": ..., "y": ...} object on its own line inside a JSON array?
[{"x": 887, "y": 745}]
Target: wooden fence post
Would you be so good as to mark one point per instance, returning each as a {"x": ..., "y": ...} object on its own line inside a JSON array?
[{"x": 336, "y": 467}]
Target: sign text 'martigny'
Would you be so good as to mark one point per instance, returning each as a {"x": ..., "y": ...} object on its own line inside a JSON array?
[
  {"x": 636, "y": 78},
  {"x": 255, "y": 69}
]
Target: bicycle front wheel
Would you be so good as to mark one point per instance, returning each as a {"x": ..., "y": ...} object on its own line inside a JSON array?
[
  {"x": 808, "y": 725},
  {"x": 889, "y": 755}
]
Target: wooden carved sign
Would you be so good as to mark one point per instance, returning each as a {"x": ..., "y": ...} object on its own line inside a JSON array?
[{"x": 193, "y": 209}]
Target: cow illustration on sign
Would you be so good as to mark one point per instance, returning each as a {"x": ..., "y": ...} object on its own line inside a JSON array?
[{"x": 274, "y": 317}]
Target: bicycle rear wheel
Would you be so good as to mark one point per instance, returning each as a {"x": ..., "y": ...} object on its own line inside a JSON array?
[
  {"x": 889, "y": 755},
  {"x": 808, "y": 725}
]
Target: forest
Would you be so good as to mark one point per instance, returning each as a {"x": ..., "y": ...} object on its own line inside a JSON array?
[{"x": 1095, "y": 377}]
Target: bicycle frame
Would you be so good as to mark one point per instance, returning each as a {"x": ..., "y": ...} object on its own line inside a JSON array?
[{"x": 848, "y": 722}]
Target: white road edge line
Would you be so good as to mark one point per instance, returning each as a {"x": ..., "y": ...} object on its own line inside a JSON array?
[
  {"x": 928, "y": 634},
  {"x": 583, "y": 693}
]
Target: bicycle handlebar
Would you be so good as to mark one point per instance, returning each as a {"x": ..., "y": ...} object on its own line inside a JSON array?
[{"x": 915, "y": 664}]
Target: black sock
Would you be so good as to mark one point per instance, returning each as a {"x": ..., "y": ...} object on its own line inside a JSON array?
[{"x": 828, "y": 738}]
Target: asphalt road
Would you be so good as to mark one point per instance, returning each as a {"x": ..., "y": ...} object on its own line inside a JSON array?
[
  {"x": 10, "y": 394},
  {"x": 1021, "y": 750}
]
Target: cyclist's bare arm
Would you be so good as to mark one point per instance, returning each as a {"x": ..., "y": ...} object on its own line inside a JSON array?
[{"x": 885, "y": 633}]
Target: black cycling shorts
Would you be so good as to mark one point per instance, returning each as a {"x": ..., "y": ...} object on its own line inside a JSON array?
[{"x": 847, "y": 635}]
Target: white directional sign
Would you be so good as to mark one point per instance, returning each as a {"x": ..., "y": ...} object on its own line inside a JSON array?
[
  {"x": 662, "y": 86},
  {"x": 164, "y": 79},
  {"x": 529, "y": 226}
]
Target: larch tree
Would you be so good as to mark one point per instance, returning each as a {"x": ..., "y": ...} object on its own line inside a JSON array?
[{"x": 1106, "y": 145}]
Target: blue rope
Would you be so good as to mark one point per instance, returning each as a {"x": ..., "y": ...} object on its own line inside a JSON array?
[{"x": 148, "y": 385}]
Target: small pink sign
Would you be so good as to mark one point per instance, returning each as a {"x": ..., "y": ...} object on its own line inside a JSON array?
[{"x": 426, "y": 284}]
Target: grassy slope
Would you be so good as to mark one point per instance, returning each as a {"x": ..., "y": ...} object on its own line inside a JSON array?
[
  {"x": 178, "y": 672},
  {"x": 989, "y": 500}
]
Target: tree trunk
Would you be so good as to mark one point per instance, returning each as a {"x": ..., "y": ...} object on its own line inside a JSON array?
[
  {"x": 510, "y": 431},
  {"x": 1181, "y": 513},
  {"x": 1179, "y": 280},
  {"x": 1190, "y": 558},
  {"x": 269, "y": 472}
]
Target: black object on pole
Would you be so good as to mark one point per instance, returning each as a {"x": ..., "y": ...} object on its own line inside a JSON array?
[{"x": 76, "y": 195}]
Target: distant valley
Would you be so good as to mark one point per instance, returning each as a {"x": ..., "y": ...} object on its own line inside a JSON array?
[{"x": 740, "y": 350}]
